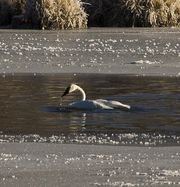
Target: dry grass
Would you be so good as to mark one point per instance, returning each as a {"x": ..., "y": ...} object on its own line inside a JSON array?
[
  {"x": 63, "y": 14},
  {"x": 70, "y": 14},
  {"x": 155, "y": 13},
  {"x": 164, "y": 13},
  {"x": 124, "y": 13},
  {"x": 138, "y": 13},
  {"x": 48, "y": 14}
]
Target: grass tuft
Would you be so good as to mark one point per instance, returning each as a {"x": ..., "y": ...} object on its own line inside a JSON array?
[
  {"x": 63, "y": 14},
  {"x": 138, "y": 13},
  {"x": 164, "y": 13}
]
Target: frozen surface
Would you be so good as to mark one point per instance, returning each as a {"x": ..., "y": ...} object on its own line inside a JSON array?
[
  {"x": 36, "y": 164},
  {"x": 120, "y": 51},
  {"x": 120, "y": 139}
]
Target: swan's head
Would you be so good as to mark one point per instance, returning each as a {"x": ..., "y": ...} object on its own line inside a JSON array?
[{"x": 71, "y": 88}]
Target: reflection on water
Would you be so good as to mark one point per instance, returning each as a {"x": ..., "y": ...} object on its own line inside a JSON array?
[{"x": 31, "y": 105}]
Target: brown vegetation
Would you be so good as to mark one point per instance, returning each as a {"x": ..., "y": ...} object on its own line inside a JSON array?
[
  {"x": 70, "y": 14},
  {"x": 63, "y": 14},
  {"x": 164, "y": 13},
  {"x": 138, "y": 13},
  {"x": 48, "y": 14}
]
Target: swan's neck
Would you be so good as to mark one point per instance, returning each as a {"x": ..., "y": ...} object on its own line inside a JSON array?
[{"x": 82, "y": 92}]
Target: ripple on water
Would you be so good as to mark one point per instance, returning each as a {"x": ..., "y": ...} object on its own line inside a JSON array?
[{"x": 30, "y": 111}]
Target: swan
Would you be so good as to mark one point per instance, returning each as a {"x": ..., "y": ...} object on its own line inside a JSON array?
[{"x": 84, "y": 104}]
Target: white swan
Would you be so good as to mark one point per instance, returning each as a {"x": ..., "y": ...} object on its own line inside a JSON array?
[{"x": 92, "y": 104}]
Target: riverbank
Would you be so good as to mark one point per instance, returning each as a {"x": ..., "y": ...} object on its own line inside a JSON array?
[
  {"x": 72, "y": 14},
  {"x": 137, "y": 51}
]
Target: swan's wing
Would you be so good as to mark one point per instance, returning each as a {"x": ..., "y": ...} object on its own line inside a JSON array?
[
  {"x": 97, "y": 104},
  {"x": 89, "y": 105},
  {"x": 117, "y": 104},
  {"x": 113, "y": 104},
  {"x": 101, "y": 105}
]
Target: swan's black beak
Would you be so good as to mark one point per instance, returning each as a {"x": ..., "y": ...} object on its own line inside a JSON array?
[{"x": 65, "y": 92}]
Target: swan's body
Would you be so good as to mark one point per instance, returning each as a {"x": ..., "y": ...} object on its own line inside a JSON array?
[
  {"x": 92, "y": 104},
  {"x": 89, "y": 105}
]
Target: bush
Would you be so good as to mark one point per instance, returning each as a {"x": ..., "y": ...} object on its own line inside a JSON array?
[
  {"x": 48, "y": 14},
  {"x": 70, "y": 14},
  {"x": 138, "y": 13},
  {"x": 164, "y": 13},
  {"x": 63, "y": 14}
]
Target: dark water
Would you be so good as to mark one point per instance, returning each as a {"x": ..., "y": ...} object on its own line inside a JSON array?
[{"x": 30, "y": 109}]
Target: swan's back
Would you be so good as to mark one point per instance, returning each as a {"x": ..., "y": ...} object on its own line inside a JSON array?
[
  {"x": 113, "y": 104},
  {"x": 98, "y": 104},
  {"x": 88, "y": 105}
]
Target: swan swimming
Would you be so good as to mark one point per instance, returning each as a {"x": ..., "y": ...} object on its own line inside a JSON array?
[{"x": 92, "y": 104}]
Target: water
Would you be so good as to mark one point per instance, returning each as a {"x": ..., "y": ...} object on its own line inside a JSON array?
[{"x": 31, "y": 110}]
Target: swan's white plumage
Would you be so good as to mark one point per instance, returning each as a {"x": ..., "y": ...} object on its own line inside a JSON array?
[
  {"x": 89, "y": 105},
  {"x": 92, "y": 104},
  {"x": 113, "y": 104}
]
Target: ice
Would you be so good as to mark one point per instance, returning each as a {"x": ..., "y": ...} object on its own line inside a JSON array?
[
  {"x": 101, "y": 139},
  {"x": 89, "y": 164},
  {"x": 170, "y": 173},
  {"x": 145, "y": 62},
  {"x": 112, "y": 51}
]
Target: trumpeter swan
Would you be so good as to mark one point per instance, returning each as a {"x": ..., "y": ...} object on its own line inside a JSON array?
[{"x": 92, "y": 104}]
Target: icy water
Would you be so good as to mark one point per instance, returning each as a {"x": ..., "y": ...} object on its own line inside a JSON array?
[
  {"x": 119, "y": 51},
  {"x": 31, "y": 110}
]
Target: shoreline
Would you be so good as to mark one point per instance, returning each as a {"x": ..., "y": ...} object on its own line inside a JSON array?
[
  {"x": 124, "y": 30},
  {"x": 34, "y": 74}
]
